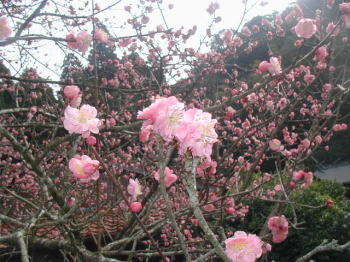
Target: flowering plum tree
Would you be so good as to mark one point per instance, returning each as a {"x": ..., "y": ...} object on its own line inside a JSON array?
[{"x": 150, "y": 148}]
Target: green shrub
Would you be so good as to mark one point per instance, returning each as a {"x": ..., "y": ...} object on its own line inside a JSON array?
[{"x": 325, "y": 223}]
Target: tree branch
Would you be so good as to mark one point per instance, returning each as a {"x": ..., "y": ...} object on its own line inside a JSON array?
[{"x": 331, "y": 246}]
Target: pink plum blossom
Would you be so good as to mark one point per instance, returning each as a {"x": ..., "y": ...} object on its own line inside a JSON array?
[
  {"x": 273, "y": 67},
  {"x": 101, "y": 35},
  {"x": 213, "y": 7},
  {"x": 206, "y": 164},
  {"x": 84, "y": 168},
  {"x": 306, "y": 176},
  {"x": 279, "y": 228},
  {"x": 308, "y": 78},
  {"x": 82, "y": 41},
  {"x": 71, "y": 92},
  {"x": 165, "y": 114},
  {"x": 169, "y": 177},
  {"x": 91, "y": 140},
  {"x": 339, "y": 127},
  {"x": 275, "y": 145},
  {"x": 243, "y": 247},
  {"x": 71, "y": 201},
  {"x": 344, "y": 8},
  {"x": 134, "y": 188},
  {"x": 305, "y": 28},
  {"x": 5, "y": 29},
  {"x": 264, "y": 66},
  {"x": 81, "y": 121},
  {"x": 321, "y": 54},
  {"x": 331, "y": 27},
  {"x": 197, "y": 133},
  {"x": 136, "y": 207},
  {"x": 145, "y": 133},
  {"x": 298, "y": 175},
  {"x": 72, "y": 44},
  {"x": 308, "y": 179}
]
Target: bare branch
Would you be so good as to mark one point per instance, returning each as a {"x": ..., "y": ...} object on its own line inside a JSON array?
[{"x": 331, "y": 246}]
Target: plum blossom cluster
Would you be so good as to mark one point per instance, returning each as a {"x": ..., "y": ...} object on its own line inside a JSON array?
[
  {"x": 193, "y": 129},
  {"x": 82, "y": 41}
]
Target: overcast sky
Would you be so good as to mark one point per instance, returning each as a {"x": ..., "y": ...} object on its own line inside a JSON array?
[{"x": 185, "y": 13}]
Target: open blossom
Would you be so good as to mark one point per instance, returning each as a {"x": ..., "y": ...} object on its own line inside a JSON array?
[
  {"x": 309, "y": 78},
  {"x": 81, "y": 121},
  {"x": 165, "y": 115},
  {"x": 134, "y": 188},
  {"x": 321, "y": 54},
  {"x": 243, "y": 247},
  {"x": 73, "y": 44},
  {"x": 279, "y": 228},
  {"x": 101, "y": 35},
  {"x": 82, "y": 41},
  {"x": 305, "y": 28},
  {"x": 84, "y": 168},
  {"x": 275, "y": 145},
  {"x": 331, "y": 27},
  {"x": 5, "y": 29},
  {"x": 298, "y": 175},
  {"x": 274, "y": 67},
  {"x": 308, "y": 179},
  {"x": 197, "y": 133},
  {"x": 169, "y": 177}
]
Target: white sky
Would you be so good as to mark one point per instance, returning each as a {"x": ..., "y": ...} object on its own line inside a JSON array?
[{"x": 185, "y": 13}]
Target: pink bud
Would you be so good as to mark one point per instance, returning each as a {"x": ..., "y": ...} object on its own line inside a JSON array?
[
  {"x": 91, "y": 140},
  {"x": 34, "y": 109},
  {"x": 71, "y": 92},
  {"x": 264, "y": 66},
  {"x": 230, "y": 210},
  {"x": 136, "y": 207},
  {"x": 71, "y": 201},
  {"x": 292, "y": 184}
]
